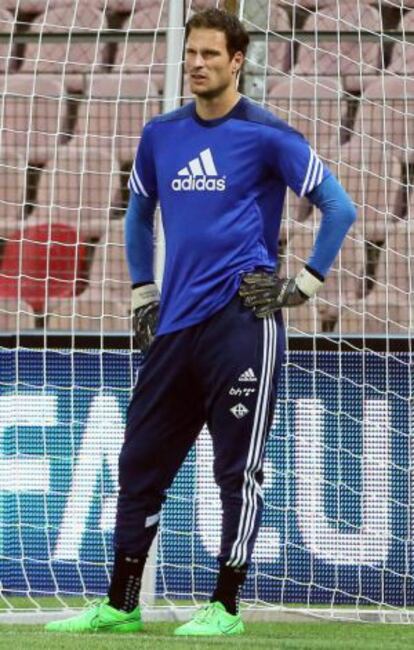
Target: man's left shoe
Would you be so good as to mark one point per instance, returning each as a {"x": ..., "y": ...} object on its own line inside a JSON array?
[{"x": 212, "y": 620}]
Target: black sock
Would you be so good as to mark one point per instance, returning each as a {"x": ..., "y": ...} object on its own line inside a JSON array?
[
  {"x": 125, "y": 585},
  {"x": 229, "y": 583}
]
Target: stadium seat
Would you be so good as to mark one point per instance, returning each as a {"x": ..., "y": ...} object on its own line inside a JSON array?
[
  {"x": 15, "y": 316},
  {"x": 114, "y": 111},
  {"x": 6, "y": 26},
  {"x": 344, "y": 281},
  {"x": 352, "y": 58},
  {"x": 299, "y": 245},
  {"x": 371, "y": 175},
  {"x": 42, "y": 262},
  {"x": 33, "y": 116},
  {"x": 35, "y": 7},
  {"x": 261, "y": 66},
  {"x": 308, "y": 4},
  {"x": 386, "y": 115},
  {"x": 78, "y": 187},
  {"x": 106, "y": 303},
  {"x": 402, "y": 56},
  {"x": 71, "y": 60},
  {"x": 12, "y": 186},
  {"x": 389, "y": 308},
  {"x": 313, "y": 107},
  {"x": 144, "y": 57}
]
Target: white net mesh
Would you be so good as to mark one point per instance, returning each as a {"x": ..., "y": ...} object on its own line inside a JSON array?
[{"x": 74, "y": 98}]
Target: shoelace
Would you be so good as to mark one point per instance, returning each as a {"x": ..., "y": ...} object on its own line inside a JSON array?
[
  {"x": 96, "y": 602},
  {"x": 205, "y": 614}
]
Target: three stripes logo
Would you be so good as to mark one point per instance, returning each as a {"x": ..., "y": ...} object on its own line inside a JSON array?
[
  {"x": 248, "y": 375},
  {"x": 200, "y": 174}
]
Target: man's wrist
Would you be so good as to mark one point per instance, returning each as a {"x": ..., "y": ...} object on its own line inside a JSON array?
[
  {"x": 308, "y": 282},
  {"x": 144, "y": 294}
]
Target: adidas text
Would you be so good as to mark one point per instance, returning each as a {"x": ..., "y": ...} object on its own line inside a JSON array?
[{"x": 199, "y": 184}]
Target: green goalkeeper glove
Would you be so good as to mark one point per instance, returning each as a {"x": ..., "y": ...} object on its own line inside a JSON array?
[
  {"x": 145, "y": 307},
  {"x": 265, "y": 292}
]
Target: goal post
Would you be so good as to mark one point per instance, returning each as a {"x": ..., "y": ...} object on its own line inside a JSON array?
[{"x": 79, "y": 80}]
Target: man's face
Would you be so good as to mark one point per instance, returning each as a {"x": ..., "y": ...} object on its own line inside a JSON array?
[{"x": 208, "y": 64}]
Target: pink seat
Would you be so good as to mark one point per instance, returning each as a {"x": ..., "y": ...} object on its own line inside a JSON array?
[
  {"x": 78, "y": 188},
  {"x": 106, "y": 303},
  {"x": 311, "y": 106},
  {"x": 386, "y": 115},
  {"x": 298, "y": 247},
  {"x": 12, "y": 186},
  {"x": 388, "y": 309},
  {"x": 145, "y": 58},
  {"x": 307, "y": 4},
  {"x": 71, "y": 60},
  {"x": 33, "y": 115},
  {"x": 352, "y": 59},
  {"x": 372, "y": 177},
  {"x": 402, "y": 57},
  {"x": 15, "y": 316},
  {"x": 6, "y": 26},
  {"x": 260, "y": 65},
  {"x": 114, "y": 111},
  {"x": 343, "y": 283},
  {"x": 26, "y": 6}
]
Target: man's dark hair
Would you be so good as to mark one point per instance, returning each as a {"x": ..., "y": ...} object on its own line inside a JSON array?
[{"x": 237, "y": 37}]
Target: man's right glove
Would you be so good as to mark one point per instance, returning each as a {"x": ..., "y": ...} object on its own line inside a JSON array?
[
  {"x": 264, "y": 292},
  {"x": 145, "y": 307}
]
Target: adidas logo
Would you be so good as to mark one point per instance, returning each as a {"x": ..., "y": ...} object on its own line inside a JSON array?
[
  {"x": 200, "y": 174},
  {"x": 248, "y": 375}
]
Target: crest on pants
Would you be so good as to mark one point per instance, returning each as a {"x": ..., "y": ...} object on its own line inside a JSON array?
[{"x": 239, "y": 410}]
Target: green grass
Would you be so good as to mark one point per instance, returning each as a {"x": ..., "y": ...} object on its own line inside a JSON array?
[{"x": 158, "y": 636}]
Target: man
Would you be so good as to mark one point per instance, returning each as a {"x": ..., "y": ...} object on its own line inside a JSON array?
[{"x": 219, "y": 168}]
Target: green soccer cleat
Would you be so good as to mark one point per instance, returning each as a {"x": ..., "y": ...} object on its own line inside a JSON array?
[
  {"x": 101, "y": 617},
  {"x": 212, "y": 620}
]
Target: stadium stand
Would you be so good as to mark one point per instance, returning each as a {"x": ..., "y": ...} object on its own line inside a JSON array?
[
  {"x": 352, "y": 60},
  {"x": 113, "y": 112},
  {"x": 386, "y": 115},
  {"x": 15, "y": 316},
  {"x": 402, "y": 57},
  {"x": 78, "y": 187},
  {"x": 71, "y": 60},
  {"x": 371, "y": 174},
  {"x": 34, "y": 116},
  {"x": 106, "y": 303},
  {"x": 265, "y": 64},
  {"x": 145, "y": 57},
  {"x": 42, "y": 262},
  {"x": 6, "y": 26},
  {"x": 388, "y": 307},
  {"x": 311, "y": 106},
  {"x": 345, "y": 281},
  {"x": 12, "y": 192}
]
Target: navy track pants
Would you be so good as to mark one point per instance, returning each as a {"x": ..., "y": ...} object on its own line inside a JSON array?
[{"x": 222, "y": 371}]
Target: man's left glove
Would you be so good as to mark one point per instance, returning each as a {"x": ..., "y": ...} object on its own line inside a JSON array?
[
  {"x": 145, "y": 307},
  {"x": 265, "y": 292}
]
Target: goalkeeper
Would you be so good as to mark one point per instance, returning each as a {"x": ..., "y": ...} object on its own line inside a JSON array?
[{"x": 214, "y": 339}]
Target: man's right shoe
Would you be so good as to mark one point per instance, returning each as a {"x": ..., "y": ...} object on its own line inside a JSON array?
[{"x": 101, "y": 617}]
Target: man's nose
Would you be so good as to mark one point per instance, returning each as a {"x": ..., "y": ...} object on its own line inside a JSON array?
[{"x": 198, "y": 61}]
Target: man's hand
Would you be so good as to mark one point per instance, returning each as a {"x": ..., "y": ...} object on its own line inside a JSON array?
[
  {"x": 145, "y": 306},
  {"x": 265, "y": 292}
]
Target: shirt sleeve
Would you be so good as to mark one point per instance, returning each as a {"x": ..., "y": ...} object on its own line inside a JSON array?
[
  {"x": 143, "y": 179},
  {"x": 291, "y": 157}
]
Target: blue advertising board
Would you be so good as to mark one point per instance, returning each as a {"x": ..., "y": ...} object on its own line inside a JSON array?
[{"x": 338, "y": 510}]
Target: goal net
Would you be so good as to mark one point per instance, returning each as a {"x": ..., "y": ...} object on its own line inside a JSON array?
[{"x": 78, "y": 82}]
